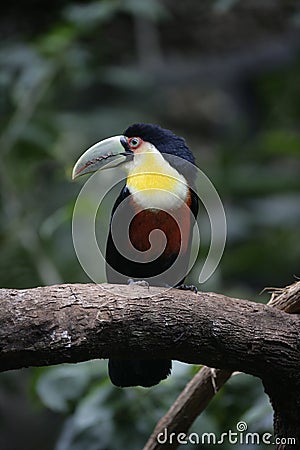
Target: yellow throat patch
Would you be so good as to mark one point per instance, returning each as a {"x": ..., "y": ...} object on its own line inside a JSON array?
[{"x": 154, "y": 182}]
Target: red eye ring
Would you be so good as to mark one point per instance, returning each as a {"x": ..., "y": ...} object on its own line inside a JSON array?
[{"x": 134, "y": 142}]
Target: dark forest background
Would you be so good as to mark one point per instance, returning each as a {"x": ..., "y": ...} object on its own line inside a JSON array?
[{"x": 222, "y": 73}]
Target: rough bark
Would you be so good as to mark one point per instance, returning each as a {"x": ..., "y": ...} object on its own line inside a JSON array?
[{"x": 71, "y": 323}]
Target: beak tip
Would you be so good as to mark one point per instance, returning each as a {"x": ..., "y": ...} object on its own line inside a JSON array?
[
  {"x": 74, "y": 175},
  {"x": 106, "y": 153}
]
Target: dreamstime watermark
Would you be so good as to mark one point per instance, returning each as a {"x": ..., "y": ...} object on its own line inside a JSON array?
[
  {"x": 99, "y": 187},
  {"x": 239, "y": 436}
]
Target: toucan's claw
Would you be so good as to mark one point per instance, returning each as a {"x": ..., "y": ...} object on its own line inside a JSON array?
[
  {"x": 132, "y": 282},
  {"x": 188, "y": 287}
]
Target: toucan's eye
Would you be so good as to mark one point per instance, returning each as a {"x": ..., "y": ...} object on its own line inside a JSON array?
[{"x": 134, "y": 142}]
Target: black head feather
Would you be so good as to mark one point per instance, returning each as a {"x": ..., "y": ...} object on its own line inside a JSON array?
[
  {"x": 167, "y": 143},
  {"x": 164, "y": 140}
]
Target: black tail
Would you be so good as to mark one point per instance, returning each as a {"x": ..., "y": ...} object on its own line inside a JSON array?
[{"x": 125, "y": 373}]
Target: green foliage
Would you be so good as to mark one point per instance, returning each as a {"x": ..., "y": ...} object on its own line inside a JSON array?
[
  {"x": 103, "y": 417},
  {"x": 60, "y": 387},
  {"x": 100, "y": 415}
]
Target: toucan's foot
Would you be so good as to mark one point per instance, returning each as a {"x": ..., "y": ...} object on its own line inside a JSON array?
[
  {"x": 132, "y": 282},
  {"x": 188, "y": 287}
]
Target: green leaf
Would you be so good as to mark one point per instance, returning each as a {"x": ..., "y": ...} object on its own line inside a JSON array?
[{"x": 61, "y": 386}]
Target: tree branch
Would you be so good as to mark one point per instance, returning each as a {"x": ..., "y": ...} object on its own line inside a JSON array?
[
  {"x": 71, "y": 323},
  {"x": 188, "y": 406}
]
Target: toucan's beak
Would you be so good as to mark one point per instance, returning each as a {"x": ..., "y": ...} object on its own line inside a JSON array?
[{"x": 110, "y": 152}]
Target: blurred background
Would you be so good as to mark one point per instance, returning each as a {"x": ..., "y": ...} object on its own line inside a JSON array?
[{"x": 222, "y": 73}]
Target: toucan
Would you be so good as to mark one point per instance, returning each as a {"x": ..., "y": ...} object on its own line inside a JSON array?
[{"x": 151, "y": 226}]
